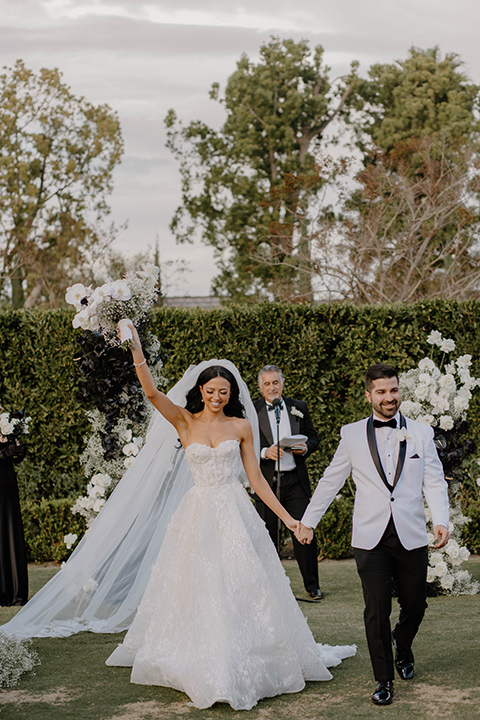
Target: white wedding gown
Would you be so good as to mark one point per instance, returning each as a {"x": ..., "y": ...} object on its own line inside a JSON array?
[{"x": 218, "y": 620}]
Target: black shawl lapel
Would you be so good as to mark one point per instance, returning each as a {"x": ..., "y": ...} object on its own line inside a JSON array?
[
  {"x": 264, "y": 423},
  {"x": 372, "y": 444},
  {"x": 401, "y": 453}
]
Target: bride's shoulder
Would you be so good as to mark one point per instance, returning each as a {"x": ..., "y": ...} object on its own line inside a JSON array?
[{"x": 242, "y": 426}]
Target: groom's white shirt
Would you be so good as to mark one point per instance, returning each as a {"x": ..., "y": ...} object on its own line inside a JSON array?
[{"x": 422, "y": 475}]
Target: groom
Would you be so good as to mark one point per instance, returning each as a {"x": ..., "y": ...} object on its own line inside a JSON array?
[{"x": 394, "y": 463}]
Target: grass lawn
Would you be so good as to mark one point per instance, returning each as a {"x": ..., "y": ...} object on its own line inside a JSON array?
[{"x": 74, "y": 683}]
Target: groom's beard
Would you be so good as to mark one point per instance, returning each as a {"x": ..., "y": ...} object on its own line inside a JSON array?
[{"x": 386, "y": 410}]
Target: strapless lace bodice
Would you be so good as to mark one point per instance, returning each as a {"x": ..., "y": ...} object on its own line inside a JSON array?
[{"x": 214, "y": 466}]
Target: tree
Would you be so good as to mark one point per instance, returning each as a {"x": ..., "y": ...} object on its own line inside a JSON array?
[
  {"x": 246, "y": 186},
  {"x": 421, "y": 95},
  {"x": 410, "y": 230},
  {"x": 57, "y": 155}
]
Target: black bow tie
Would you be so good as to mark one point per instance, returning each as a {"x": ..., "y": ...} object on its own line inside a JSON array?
[
  {"x": 272, "y": 407},
  {"x": 381, "y": 424}
]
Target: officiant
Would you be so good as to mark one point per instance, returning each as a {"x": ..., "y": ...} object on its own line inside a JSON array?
[{"x": 292, "y": 418}]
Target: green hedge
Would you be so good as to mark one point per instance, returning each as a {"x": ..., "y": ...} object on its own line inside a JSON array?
[
  {"x": 45, "y": 524},
  {"x": 323, "y": 350}
]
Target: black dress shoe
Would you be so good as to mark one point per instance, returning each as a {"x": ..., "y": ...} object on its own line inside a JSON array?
[
  {"x": 315, "y": 594},
  {"x": 384, "y": 693},
  {"x": 404, "y": 661}
]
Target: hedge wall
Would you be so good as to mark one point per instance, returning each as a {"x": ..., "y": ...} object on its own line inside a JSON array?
[{"x": 323, "y": 350}]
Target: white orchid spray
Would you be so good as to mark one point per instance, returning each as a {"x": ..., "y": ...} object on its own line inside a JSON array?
[{"x": 101, "y": 309}]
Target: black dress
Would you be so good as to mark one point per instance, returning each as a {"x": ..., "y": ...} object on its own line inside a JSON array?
[{"x": 13, "y": 557}]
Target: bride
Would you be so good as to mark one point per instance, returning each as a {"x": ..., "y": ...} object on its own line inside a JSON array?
[
  {"x": 192, "y": 566},
  {"x": 218, "y": 619}
]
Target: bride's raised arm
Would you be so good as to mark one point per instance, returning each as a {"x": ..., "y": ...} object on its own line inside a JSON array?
[{"x": 175, "y": 414}]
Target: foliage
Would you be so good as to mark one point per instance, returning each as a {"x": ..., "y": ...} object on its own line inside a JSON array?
[
  {"x": 16, "y": 658},
  {"x": 57, "y": 156},
  {"x": 335, "y": 531},
  {"x": 422, "y": 95},
  {"x": 323, "y": 350},
  {"x": 45, "y": 525},
  {"x": 249, "y": 183},
  {"x": 411, "y": 228}
]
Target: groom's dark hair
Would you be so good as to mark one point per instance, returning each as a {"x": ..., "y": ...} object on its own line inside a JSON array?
[{"x": 377, "y": 371}]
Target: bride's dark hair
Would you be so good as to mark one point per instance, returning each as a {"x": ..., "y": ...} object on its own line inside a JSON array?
[{"x": 233, "y": 408}]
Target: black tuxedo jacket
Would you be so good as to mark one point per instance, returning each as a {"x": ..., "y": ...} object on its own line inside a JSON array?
[{"x": 300, "y": 426}]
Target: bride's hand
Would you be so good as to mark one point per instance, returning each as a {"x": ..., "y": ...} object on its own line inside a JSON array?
[
  {"x": 293, "y": 525},
  {"x": 136, "y": 343}
]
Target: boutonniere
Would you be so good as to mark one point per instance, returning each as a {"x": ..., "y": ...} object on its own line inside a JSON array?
[
  {"x": 295, "y": 411},
  {"x": 403, "y": 434}
]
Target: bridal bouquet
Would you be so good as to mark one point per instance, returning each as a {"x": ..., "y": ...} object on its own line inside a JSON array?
[{"x": 101, "y": 309}]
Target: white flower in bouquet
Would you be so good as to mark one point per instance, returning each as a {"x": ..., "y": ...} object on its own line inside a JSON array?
[
  {"x": 447, "y": 345},
  {"x": 7, "y": 428},
  {"x": 461, "y": 404},
  {"x": 425, "y": 378},
  {"x": 76, "y": 293},
  {"x": 98, "y": 504},
  {"x": 422, "y": 392},
  {"x": 446, "y": 422},
  {"x": 435, "y": 558},
  {"x": 70, "y": 539},
  {"x": 130, "y": 449},
  {"x": 431, "y": 574},
  {"x": 102, "y": 480},
  {"x": 447, "y": 581},
  {"x": 128, "y": 461},
  {"x": 447, "y": 382},
  {"x": 464, "y": 361},
  {"x": 452, "y": 548},
  {"x": 430, "y": 538},
  {"x": 427, "y": 364},
  {"x": 435, "y": 338},
  {"x": 451, "y": 368},
  {"x": 120, "y": 290},
  {"x": 441, "y": 569},
  {"x": 426, "y": 419}
]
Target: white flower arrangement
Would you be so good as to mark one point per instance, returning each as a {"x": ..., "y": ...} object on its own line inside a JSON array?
[
  {"x": 105, "y": 474},
  {"x": 12, "y": 427},
  {"x": 101, "y": 309},
  {"x": 440, "y": 399},
  {"x": 444, "y": 564},
  {"x": 16, "y": 658},
  {"x": 295, "y": 411},
  {"x": 435, "y": 398},
  {"x": 70, "y": 540}
]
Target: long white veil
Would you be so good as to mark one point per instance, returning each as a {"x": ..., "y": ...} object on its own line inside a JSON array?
[{"x": 101, "y": 585}]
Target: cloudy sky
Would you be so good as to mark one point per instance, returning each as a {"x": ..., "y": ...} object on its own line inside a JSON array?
[{"x": 143, "y": 58}]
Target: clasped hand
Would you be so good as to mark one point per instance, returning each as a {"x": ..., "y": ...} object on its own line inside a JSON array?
[{"x": 304, "y": 534}]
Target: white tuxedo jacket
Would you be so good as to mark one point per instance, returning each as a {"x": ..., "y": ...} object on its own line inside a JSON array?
[{"x": 419, "y": 474}]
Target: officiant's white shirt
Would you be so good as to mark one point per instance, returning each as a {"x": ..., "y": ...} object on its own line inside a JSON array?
[{"x": 286, "y": 462}]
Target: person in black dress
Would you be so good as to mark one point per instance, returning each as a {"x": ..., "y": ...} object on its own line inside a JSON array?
[{"x": 13, "y": 556}]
